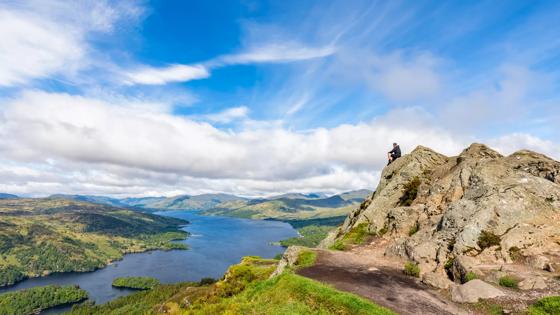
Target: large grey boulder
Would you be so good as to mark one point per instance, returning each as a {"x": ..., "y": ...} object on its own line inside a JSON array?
[
  {"x": 533, "y": 283},
  {"x": 473, "y": 291},
  {"x": 437, "y": 280}
]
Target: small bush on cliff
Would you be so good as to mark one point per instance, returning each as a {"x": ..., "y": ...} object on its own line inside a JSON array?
[
  {"x": 414, "y": 229},
  {"x": 358, "y": 235},
  {"x": 508, "y": 282},
  {"x": 410, "y": 192},
  {"x": 470, "y": 276},
  {"x": 207, "y": 281},
  {"x": 515, "y": 253},
  {"x": 488, "y": 239},
  {"x": 338, "y": 245},
  {"x": 411, "y": 269}
]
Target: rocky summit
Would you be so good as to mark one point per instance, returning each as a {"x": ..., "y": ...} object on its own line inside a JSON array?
[{"x": 479, "y": 214}]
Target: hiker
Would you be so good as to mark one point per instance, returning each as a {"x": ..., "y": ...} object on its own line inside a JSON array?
[{"x": 394, "y": 154}]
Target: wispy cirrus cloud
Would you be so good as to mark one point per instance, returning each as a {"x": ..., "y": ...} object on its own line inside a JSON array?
[
  {"x": 281, "y": 52},
  {"x": 265, "y": 53},
  {"x": 47, "y": 48},
  {"x": 46, "y": 39},
  {"x": 228, "y": 115},
  {"x": 173, "y": 73}
]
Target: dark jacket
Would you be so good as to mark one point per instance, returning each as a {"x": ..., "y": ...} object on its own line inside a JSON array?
[{"x": 396, "y": 152}]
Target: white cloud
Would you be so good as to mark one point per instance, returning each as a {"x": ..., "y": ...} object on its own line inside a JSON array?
[
  {"x": 172, "y": 73},
  {"x": 276, "y": 53},
  {"x": 507, "y": 96},
  {"x": 101, "y": 146},
  {"x": 405, "y": 80},
  {"x": 510, "y": 143},
  {"x": 34, "y": 48},
  {"x": 229, "y": 115},
  {"x": 399, "y": 76},
  {"x": 269, "y": 53},
  {"x": 298, "y": 105},
  {"x": 42, "y": 39},
  {"x": 52, "y": 143}
]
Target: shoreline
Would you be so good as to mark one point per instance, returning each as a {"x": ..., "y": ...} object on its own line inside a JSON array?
[{"x": 109, "y": 263}]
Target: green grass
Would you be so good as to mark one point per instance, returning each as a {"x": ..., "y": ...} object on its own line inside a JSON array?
[
  {"x": 338, "y": 245},
  {"x": 487, "y": 307},
  {"x": 306, "y": 258},
  {"x": 311, "y": 236},
  {"x": 411, "y": 269},
  {"x": 27, "y": 301},
  {"x": 245, "y": 289},
  {"x": 358, "y": 235},
  {"x": 470, "y": 276},
  {"x": 138, "y": 283},
  {"x": 508, "y": 282},
  {"x": 290, "y": 294},
  {"x": 546, "y": 306}
]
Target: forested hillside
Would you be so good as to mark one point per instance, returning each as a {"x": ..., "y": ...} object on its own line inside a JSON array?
[{"x": 41, "y": 236}]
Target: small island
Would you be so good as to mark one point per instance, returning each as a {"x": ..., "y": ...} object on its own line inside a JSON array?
[
  {"x": 37, "y": 299},
  {"x": 136, "y": 283}
]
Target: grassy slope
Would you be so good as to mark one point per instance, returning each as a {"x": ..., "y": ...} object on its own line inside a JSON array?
[
  {"x": 41, "y": 236},
  {"x": 245, "y": 289}
]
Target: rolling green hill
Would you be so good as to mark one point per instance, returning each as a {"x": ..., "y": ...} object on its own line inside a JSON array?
[
  {"x": 187, "y": 202},
  {"x": 41, "y": 236},
  {"x": 291, "y": 206}
]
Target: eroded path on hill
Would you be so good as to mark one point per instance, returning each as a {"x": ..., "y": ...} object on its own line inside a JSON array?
[{"x": 364, "y": 272}]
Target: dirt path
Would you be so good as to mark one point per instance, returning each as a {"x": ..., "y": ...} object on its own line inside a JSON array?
[{"x": 367, "y": 274}]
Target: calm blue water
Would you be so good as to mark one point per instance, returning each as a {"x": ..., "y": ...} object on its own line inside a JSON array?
[{"x": 215, "y": 244}]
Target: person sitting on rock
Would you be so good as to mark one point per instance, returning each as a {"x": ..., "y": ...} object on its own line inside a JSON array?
[{"x": 394, "y": 154}]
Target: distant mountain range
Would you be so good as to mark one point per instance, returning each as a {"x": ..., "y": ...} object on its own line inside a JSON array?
[
  {"x": 7, "y": 196},
  {"x": 291, "y": 206},
  {"x": 285, "y": 206}
]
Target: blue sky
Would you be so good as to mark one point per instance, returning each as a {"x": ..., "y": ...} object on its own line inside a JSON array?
[{"x": 262, "y": 97}]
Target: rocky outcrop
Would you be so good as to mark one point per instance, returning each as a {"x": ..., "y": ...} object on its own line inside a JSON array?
[
  {"x": 473, "y": 291},
  {"x": 459, "y": 215},
  {"x": 289, "y": 259}
]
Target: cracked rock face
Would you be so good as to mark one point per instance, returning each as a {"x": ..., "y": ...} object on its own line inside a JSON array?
[{"x": 490, "y": 208}]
